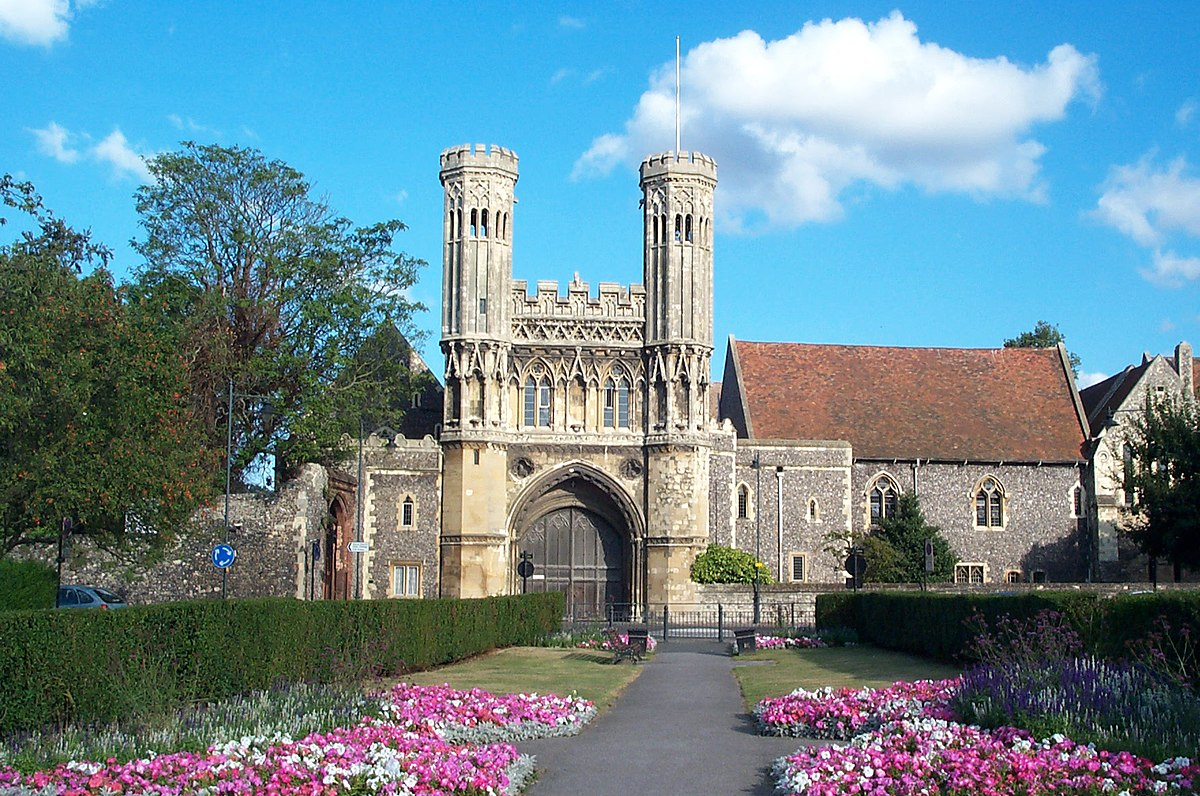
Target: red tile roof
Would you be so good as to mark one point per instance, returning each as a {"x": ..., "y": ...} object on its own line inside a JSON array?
[{"x": 946, "y": 404}]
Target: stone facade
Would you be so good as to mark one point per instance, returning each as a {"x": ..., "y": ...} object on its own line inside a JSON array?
[
  {"x": 273, "y": 534},
  {"x": 1113, "y": 406}
]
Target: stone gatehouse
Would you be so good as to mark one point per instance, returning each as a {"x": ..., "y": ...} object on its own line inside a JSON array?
[{"x": 579, "y": 430}]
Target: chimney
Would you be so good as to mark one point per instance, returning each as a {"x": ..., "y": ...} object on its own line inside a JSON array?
[{"x": 1183, "y": 363}]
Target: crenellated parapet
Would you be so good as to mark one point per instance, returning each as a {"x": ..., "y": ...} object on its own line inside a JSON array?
[
  {"x": 682, "y": 163},
  {"x": 479, "y": 156},
  {"x": 614, "y": 315},
  {"x": 612, "y": 300}
]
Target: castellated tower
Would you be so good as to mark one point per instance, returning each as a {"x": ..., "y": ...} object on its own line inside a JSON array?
[
  {"x": 476, "y": 340},
  {"x": 677, "y": 193}
]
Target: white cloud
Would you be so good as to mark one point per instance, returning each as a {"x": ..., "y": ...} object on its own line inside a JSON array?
[
  {"x": 1172, "y": 270},
  {"x": 794, "y": 122},
  {"x": 401, "y": 196},
  {"x": 1185, "y": 113},
  {"x": 1146, "y": 204},
  {"x": 561, "y": 75},
  {"x": 573, "y": 23},
  {"x": 1086, "y": 379},
  {"x": 52, "y": 141},
  {"x": 190, "y": 125},
  {"x": 115, "y": 150},
  {"x": 38, "y": 22}
]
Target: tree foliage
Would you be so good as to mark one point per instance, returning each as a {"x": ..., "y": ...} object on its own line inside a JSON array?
[
  {"x": 265, "y": 286},
  {"x": 1044, "y": 335},
  {"x": 896, "y": 550},
  {"x": 95, "y": 421},
  {"x": 720, "y": 564},
  {"x": 1164, "y": 482}
]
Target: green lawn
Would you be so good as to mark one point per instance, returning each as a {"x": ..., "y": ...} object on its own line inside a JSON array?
[
  {"x": 544, "y": 670},
  {"x": 777, "y": 672}
]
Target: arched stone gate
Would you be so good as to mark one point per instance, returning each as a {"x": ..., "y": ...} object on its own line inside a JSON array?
[{"x": 583, "y": 534}]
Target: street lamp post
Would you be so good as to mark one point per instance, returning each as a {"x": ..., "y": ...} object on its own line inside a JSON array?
[{"x": 756, "y": 464}]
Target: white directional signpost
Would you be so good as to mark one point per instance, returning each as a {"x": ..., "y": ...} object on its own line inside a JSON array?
[{"x": 358, "y": 547}]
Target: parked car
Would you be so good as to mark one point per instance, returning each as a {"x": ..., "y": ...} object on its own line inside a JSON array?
[{"x": 88, "y": 597}]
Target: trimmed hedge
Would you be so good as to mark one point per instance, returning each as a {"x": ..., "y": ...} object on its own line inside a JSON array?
[
  {"x": 97, "y": 666},
  {"x": 26, "y": 584},
  {"x": 934, "y": 625}
]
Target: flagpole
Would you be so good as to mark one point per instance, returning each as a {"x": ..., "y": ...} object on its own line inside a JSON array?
[{"x": 677, "y": 123}]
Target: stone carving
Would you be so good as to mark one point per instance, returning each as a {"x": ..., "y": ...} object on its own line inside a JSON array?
[
  {"x": 631, "y": 468},
  {"x": 522, "y": 467}
]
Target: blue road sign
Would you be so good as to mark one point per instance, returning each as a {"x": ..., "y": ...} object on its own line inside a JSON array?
[{"x": 223, "y": 555}]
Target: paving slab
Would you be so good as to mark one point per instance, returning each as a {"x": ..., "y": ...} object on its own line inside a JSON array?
[{"x": 679, "y": 728}]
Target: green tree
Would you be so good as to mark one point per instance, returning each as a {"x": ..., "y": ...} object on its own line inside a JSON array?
[
  {"x": 95, "y": 421},
  {"x": 896, "y": 550},
  {"x": 267, "y": 287},
  {"x": 721, "y": 564},
  {"x": 1044, "y": 335},
  {"x": 1164, "y": 481}
]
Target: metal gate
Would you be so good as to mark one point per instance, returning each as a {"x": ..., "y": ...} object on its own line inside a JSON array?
[{"x": 578, "y": 553}]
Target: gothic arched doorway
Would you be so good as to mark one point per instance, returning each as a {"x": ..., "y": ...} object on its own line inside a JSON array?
[
  {"x": 580, "y": 530},
  {"x": 577, "y": 552},
  {"x": 338, "y": 528}
]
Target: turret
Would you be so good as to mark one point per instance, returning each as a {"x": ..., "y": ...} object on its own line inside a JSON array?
[
  {"x": 677, "y": 191},
  {"x": 477, "y": 230}
]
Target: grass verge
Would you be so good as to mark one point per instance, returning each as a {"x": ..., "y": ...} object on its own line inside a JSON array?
[
  {"x": 777, "y": 672},
  {"x": 542, "y": 670}
]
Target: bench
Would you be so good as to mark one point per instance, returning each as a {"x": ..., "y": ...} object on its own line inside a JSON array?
[
  {"x": 632, "y": 649},
  {"x": 745, "y": 640}
]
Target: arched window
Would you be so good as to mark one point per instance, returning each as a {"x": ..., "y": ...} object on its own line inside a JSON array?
[
  {"x": 406, "y": 513},
  {"x": 616, "y": 400},
  {"x": 678, "y": 227},
  {"x": 989, "y": 504},
  {"x": 1077, "y": 500},
  {"x": 537, "y": 402},
  {"x": 458, "y": 224},
  {"x": 884, "y": 493},
  {"x": 814, "y": 511},
  {"x": 687, "y": 228},
  {"x": 474, "y": 222},
  {"x": 483, "y": 223},
  {"x": 655, "y": 231},
  {"x": 743, "y": 502},
  {"x": 453, "y": 229},
  {"x": 504, "y": 226}
]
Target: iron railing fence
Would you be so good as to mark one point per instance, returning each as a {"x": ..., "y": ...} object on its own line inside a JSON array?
[{"x": 692, "y": 621}]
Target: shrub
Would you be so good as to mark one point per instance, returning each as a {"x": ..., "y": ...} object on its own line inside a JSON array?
[
  {"x": 99, "y": 666},
  {"x": 720, "y": 564},
  {"x": 26, "y": 584}
]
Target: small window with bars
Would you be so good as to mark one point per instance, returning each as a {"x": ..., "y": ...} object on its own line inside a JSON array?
[
  {"x": 406, "y": 513},
  {"x": 743, "y": 502},
  {"x": 799, "y": 567}
]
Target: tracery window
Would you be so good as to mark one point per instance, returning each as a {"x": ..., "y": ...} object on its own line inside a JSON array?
[
  {"x": 884, "y": 495},
  {"x": 616, "y": 400},
  {"x": 537, "y": 402},
  {"x": 989, "y": 504},
  {"x": 483, "y": 226}
]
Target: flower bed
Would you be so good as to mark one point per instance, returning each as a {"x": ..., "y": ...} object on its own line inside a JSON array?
[
  {"x": 788, "y": 642},
  {"x": 476, "y": 716},
  {"x": 934, "y": 756},
  {"x": 843, "y": 713},
  {"x": 903, "y": 742},
  {"x": 605, "y": 644},
  {"x": 410, "y": 750}
]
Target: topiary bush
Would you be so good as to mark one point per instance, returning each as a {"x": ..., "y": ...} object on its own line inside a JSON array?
[
  {"x": 720, "y": 564},
  {"x": 26, "y": 584}
]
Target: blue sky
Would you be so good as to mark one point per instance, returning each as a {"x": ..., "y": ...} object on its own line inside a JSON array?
[{"x": 925, "y": 174}]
